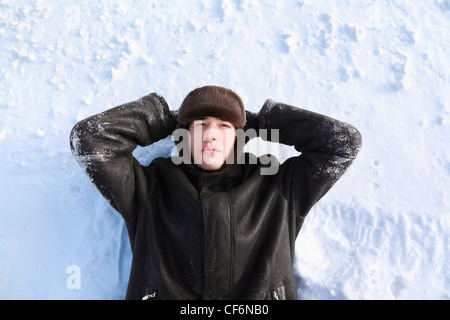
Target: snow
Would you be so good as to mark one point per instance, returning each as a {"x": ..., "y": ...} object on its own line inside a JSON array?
[{"x": 383, "y": 231}]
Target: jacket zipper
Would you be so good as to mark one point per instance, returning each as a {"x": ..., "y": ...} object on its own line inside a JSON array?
[
  {"x": 275, "y": 295},
  {"x": 150, "y": 293},
  {"x": 279, "y": 293},
  {"x": 149, "y": 296}
]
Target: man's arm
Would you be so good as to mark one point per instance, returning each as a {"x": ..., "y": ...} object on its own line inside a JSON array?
[
  {"x": 327, "y": 147},
  {"x": 103, "y": 145}
]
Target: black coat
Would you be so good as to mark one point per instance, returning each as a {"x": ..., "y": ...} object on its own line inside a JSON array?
[{"x": 227, "y": 234}]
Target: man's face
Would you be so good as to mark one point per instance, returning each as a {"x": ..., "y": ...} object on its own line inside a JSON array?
[{"x": 212, "y": 141}]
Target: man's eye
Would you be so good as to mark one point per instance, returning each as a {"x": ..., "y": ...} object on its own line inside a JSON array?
[{"x": 225, "y": 125}]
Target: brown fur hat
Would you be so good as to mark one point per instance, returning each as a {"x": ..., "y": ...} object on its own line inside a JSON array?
[{"x": 212, "y": 101}]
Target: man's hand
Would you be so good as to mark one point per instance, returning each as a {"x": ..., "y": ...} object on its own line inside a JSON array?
[{"x": 252, "y": 121}]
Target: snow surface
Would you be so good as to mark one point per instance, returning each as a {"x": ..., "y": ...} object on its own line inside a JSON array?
[{"x": 383, "y": 231}]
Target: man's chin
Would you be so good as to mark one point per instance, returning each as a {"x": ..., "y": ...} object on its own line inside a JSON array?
[{"x": 210, "y": 166}]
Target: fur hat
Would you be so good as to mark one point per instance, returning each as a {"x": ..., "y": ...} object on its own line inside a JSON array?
[{"x": 212, "y": 101}]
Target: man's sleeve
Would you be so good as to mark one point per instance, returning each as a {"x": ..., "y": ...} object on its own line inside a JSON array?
[
  {"x": 327, "y": 147},
  {"x": 103, "y": 145}
]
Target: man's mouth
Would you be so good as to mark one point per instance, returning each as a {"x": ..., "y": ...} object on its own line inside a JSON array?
[{"x": 210, "y": 149}]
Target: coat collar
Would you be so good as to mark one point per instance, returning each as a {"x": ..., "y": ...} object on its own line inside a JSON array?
[{"x": 217, "y": 180}]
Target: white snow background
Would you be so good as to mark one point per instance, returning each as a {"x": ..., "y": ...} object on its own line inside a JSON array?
[{"x": 382, "y": 232}]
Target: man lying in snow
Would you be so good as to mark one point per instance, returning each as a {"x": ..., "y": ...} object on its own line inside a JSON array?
[{"x": 210, "y": 224}]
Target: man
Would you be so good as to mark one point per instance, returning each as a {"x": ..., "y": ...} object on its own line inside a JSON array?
[{"x": 207, "y": 227}]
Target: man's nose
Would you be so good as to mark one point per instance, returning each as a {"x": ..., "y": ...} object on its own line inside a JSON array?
[{"x": 210, "y": 134}]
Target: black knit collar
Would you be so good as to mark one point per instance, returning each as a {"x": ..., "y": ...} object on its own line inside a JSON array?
[{"x": 217, "y": 180}]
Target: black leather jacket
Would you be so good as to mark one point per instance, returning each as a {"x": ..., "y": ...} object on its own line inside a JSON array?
[{"x": 227, "y": 234}]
